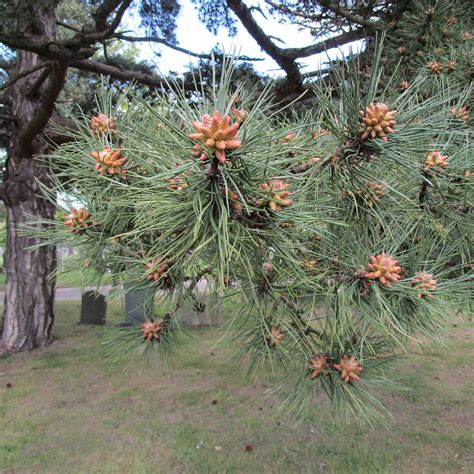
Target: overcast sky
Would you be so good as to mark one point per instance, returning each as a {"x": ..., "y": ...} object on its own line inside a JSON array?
[{"x": 193, "y": 35}]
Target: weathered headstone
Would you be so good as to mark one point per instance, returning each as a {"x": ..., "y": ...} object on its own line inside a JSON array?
[
  {"x": 205, "y": 311},
  {"x": 93, "y": 308},
  {"x": 138, "y": 305}
]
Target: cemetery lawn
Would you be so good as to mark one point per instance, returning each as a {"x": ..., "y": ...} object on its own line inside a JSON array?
[{"x": 65, "y": 409}]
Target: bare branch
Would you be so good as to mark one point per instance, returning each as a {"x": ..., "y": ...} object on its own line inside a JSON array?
[
  {"x": 287, "y": 63},
  {"x": 24, "y": 73},
  {"x": 102, "y": 30},
  {"x": 154, "y": 39},
  {"x": 320, "y": 47},
  {"x": 69, "y": 27},
  {"x": 124, "y": 75}
]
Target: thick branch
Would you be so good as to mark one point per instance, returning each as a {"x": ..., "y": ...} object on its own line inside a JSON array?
[
  {"x": 103, "y": 12},
  {"x": 43, "y": 114},
  {"x": 46, "y": 48},
  {"x": 102, "y": 30},
  {"x": 35, "y": 87},
  {"x": 122, "y": 74},
  {"x": 287, "y": 63},
  {"x": 324, "y": 45},
  {"x": 286, "y": 57},
  {"x": 80, "y": 45}
]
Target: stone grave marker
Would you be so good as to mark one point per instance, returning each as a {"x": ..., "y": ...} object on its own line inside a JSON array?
[
  {"x": 138, "y": 305},
  {"x": 206, "y": 311},
  {"x": 93, "y": 308}
]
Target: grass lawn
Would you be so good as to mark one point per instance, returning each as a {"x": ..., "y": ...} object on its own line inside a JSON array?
[{"x": 65, "y": 409}]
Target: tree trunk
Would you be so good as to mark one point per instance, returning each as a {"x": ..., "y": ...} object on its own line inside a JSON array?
[{"x": 29, "y": 294}]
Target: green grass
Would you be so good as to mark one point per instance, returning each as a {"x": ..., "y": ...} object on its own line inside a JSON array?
[{"x": 67, "y": 409}]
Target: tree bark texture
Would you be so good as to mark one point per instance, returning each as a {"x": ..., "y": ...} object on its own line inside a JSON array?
[{"x": 29, "y": 294}]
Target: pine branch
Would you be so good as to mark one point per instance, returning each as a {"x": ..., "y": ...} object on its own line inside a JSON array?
[
  {"x": 48, "y": 48},
  {"x": 80, "y": 46},
  {"x": 335, "y": 8}
]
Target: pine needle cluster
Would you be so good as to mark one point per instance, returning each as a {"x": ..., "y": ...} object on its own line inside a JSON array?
[{"x": 342, "y": 247}]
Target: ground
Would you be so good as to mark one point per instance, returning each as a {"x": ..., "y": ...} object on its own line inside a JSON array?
[{"x": 68, "y": 409}]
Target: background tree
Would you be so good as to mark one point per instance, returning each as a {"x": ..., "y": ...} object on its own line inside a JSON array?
[{"x": 332, "y": 24}]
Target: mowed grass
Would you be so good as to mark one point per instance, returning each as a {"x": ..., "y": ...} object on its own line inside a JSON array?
[{"x": 67, "y": 409}]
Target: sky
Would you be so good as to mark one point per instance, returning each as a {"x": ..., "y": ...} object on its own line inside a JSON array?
[{"x": 193, "y": 35}]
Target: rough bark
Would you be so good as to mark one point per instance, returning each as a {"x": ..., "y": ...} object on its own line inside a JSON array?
[{"x": 29, "y": 294}]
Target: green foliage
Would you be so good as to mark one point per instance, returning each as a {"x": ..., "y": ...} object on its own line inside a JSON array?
[
  {"x": 159, "y": 17},
  {"x": 215, "y": 14},
  {"x": 435, "y": 37},
  {"x": 299, "y": 263}
]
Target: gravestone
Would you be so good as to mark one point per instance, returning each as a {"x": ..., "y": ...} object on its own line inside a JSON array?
[
  {"x": 93, "y": 308},
  {"x": 206, "y": 311},
  {"x": 138, "y": 305}
]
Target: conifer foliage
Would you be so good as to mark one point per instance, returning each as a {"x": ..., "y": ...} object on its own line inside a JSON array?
[{"x": 343, "y": 233}]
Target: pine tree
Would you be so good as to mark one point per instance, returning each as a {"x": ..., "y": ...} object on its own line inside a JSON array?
[
  {"x": 343, "y": 233},
  {"x": 435, "y": 37}
]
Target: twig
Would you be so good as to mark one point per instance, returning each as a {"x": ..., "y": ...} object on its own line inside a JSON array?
[
  {"x": 19, "y": 75},
  {"x": 155, "y": 39}
]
